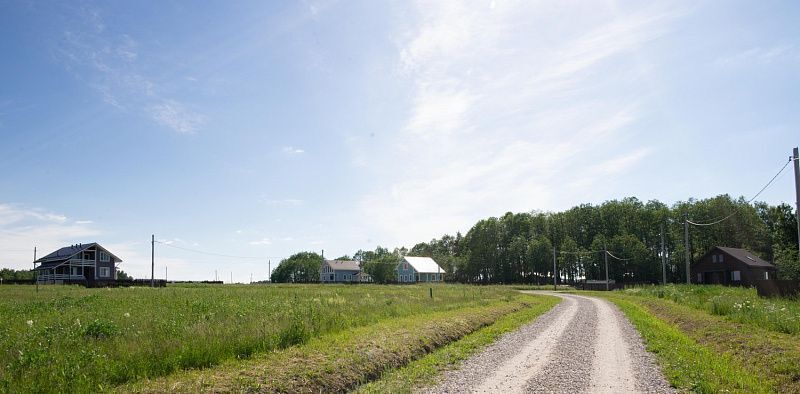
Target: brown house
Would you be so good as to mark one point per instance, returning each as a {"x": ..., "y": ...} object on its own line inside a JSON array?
[{"x": 731, "y": 266}]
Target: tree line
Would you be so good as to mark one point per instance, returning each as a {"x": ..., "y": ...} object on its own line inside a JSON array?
[{"x": 518, "y": 247}]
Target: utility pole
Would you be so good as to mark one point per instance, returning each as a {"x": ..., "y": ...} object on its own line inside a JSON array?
[
  {"x": 555, "y": 286},
  {"x": 663, "y": 258},
  {"x": 152, "y": 260},
  {"x": 35, "y": 272},
  {"x": 165, "y": 273},
  {"x": 686, "y": 246},
  {"x": 605, "y": 255},
  {"x": 231, "y": 277},
  {"x": 796, "y": 159},
  {"x": 269, "y": 271}
]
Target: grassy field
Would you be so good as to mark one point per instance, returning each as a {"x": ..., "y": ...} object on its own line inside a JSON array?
[
  {"x": 716, "y": 339},
  {"x": 734, "y": 303},
  {"x": 70, "y": 338}
]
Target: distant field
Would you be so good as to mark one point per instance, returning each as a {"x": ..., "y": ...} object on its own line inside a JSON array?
[{"x": 71, "y": 338}]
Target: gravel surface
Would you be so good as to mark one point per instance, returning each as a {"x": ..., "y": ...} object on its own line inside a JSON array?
[{"x": 584, "y": 344}]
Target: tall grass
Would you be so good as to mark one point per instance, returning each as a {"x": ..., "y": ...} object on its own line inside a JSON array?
[
  {"x": 735, "y": 303},
  {"x": 76, "y": 339}
]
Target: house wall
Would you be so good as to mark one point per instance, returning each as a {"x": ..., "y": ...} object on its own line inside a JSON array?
[
  {"x": 406, "y": 273},
  {"x": 329, "y": 276},
  {"x": 708, "y": 269}
]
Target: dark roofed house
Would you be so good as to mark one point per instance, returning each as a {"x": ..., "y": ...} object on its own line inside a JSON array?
[
  {"x": 78, "y": 263},
  {"x": 340, "y": 271},
  {"x": 731, "y": 266}
]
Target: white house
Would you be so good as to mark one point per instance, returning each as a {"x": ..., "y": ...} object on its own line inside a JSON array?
[{"x": 419, "y": 269}]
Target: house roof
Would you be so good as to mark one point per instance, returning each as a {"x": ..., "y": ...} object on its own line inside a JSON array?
[
  {"x": 746, "y": 257},
  {"x": 66, "y": 252},
  {"x": 343, "y": 265},
  {"x": 424, "y": 265}
]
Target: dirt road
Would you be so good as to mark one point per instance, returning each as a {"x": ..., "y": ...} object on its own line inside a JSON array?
[{"x": 584, "y": 344}]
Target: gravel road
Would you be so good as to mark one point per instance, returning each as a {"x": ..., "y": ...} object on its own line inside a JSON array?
[{"x": 584, "y": 344}]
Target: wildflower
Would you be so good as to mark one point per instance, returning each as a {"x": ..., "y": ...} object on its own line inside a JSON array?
[
  {"x": 78, "y": 322},
  {"x": 30, "y": 323},
  {"x": 127, "y": 314}
]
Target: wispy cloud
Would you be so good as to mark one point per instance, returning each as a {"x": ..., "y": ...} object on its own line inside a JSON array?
[
  {"x": 111, "y": 64},
  {"x": 175, "y": 116},
  {"x": 759, "y": 55},
  {"x": 290, "y": 150},
  {"x": 283, "y": 201},
  {"x": 500, "y": 120},
  {"x": 22, "y": 228},
  {"x": 262, "y": 241}
]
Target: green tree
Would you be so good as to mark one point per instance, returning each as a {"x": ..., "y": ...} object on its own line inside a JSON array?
[{"x": 301, "y": 267}]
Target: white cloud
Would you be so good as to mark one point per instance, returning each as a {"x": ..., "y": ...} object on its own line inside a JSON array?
[
  {"x": 175, "y": 116},
  {"x": 83, "y": 222},
  {"x": 262, "y": 241},
  {"x": 113, "y": 65},
  {"x": 290, "y": 150},
  {"x": 760, "y": 55},
  {"x": 22, "y": 228},
  {"x": 505, "y": 113},
  {"x": 284, "y": 201}
]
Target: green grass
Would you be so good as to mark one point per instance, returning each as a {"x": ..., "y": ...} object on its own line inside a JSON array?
[
  {"x": 703, "y": 351},
  {"x": 422, "y": 371},
  {"x": 737, "y": 304},
  {"x": 687, "y": 364},
  {"x": 76, "y": 339},
  {"x": 341, "y": 361}
]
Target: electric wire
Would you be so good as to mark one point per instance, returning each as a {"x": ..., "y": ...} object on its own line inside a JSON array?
[
  {"x": 748, "y": 201},
  {"x": 618, "y": 258},
  {"x": 216, "y": 254}
]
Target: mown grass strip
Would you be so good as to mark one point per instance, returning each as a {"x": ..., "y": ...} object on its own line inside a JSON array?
[
  {"x": 342, "y": 361},
  {"x": 687, "y": 364},
  {"x": 423, "y": 371}
]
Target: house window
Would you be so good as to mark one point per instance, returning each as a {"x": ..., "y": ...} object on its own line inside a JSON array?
[
  {"x": 766, "y": 275},
  {"x": 105, "y": 272},
  {"x": 699, "y": 278},
  {"x": 721, "y": 258},
  {"x": 713, "y": 258},
  {"x": 736, "y": 275},
  {"x": 104, "y": 257}
]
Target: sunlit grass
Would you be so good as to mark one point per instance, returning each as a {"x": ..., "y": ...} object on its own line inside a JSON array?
[
  {"x": 735, "y": 303},
  {"x": 70, "y": 338}
]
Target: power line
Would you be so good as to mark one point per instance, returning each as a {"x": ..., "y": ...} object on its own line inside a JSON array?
[
  {"x": 615, "y": 257},
  {"x": 216, "y": 254},
  {"x": 748, "y": 201}
]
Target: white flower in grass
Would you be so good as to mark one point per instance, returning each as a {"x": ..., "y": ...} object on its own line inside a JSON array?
[
  {"x": 30, "y": 323},
  {"x": 127, "y": 314}
]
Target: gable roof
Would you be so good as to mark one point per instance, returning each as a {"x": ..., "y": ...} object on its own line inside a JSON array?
[
  {"x": 424, "y": 265},
  {"x": 343, "y": 265},
  {"x": 67, "y": 252},
  {"x": 746, "y": 257}
]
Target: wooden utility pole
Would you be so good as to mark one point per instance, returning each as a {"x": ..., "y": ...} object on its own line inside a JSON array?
[
  {"x": 796, "y": 159},
  {"x": 153, "y": 260},
  {"x": 165, "y": 273},
  {"x": 686, "y": 246},
  {"x": 663, "y": 258},
  {"x": 269, "y": 269},
  {"x": 605, "y": 255},
  {"x": 555, "y": 284},
  {"x": 35, "y": 272}
]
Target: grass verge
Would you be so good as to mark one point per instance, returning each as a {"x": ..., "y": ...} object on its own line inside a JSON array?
[
  {"x": 341, "y": 361},
  {"x": 421, "y": 372},
  {"x": 701, "y": 352}
]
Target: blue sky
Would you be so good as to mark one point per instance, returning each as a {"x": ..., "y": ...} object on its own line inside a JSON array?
[{"x": 259, "y": 129}]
